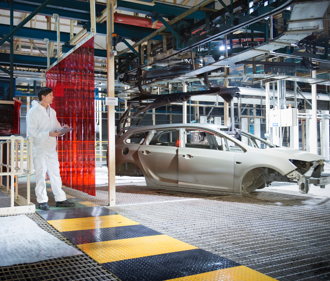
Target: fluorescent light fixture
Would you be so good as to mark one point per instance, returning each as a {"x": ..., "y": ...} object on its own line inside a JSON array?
[
  {"x": 222, "y": 48},
  {"x": 288, "y": 8},
  {"x": 251, "y": 11},
  {"x": 294, "y": 45},
  {"x": 251, "y": 4},
  {"x": 266, "y": 3}
]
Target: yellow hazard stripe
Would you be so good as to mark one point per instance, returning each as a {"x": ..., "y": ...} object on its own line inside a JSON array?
[
  {"x": 237, "y": 273},
  {"x": 91, "y": 223},
  {"x": 124, "y": 249}
]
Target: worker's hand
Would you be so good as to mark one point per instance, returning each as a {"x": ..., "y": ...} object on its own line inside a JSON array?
[
  {"x": 54, "y": 134},
  {"x": 66, "y": 126}
]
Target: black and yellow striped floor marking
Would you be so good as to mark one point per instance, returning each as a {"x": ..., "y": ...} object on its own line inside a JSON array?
[{"x": 134, "y": 252}]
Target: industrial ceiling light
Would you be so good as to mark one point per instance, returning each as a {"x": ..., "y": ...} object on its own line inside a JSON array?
[{"x": 222, "y": 48}]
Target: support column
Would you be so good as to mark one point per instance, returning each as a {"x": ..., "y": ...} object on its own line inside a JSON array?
[
  {"x": 111, "y": 108},
  {"x": 11, "y": 39},
  {"x": 100, "y": 130},
  {"x": 313, "y": 124},
  {"x": 294, "y": 133},
  {"x": 277, "y": 136},
  {"x": 325, "y": 135},
  {"x": 197, "y": 112},
  {"x": 303, "y": 143},
  {"x": 58, "y": 30},
  {"x": 226, "y": 105},
  {"x": 257, "y": 129},
  {"x": 71, "y": 29},
  {"x": 184, "y": 105},
  {"x": 46, "y": 40},
  {"x": 245, "y": 127},
  {"x": 309, "y": 124},
  {"x": 267, "y": 108}
]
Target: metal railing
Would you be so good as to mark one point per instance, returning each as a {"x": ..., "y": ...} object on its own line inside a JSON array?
[{"x": 15, "y": 166}]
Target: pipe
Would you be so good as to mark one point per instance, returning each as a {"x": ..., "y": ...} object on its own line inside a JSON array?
[
  {"x": 46, "y": 40},
  {"x": 57, "y": 22}
]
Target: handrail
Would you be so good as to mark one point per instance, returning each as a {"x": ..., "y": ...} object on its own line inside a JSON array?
[{"x": 15, "y": 167}]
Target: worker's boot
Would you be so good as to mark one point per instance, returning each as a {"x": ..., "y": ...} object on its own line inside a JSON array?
[
  {"x": 65, "y": 203},
  {"x": 43, "y": 206}
]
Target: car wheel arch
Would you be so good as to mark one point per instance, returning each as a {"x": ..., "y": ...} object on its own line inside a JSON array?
[{"x": 256, "y": 178}]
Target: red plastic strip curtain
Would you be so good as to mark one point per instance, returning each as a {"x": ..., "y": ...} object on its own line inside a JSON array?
[
  {"x": 10, "y": 120},
  {"x": 72, "y": 81}
]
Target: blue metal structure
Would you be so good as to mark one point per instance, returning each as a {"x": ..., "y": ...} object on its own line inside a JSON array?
[{"x": 36, "y": 34}]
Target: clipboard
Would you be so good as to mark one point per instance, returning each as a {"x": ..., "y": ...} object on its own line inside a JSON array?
[{"x": 64, "y": 131}]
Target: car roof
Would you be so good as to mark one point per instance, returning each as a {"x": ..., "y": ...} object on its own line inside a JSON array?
[{"x": 177, "y": 125}]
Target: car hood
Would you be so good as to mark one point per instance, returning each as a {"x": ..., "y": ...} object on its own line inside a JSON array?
[{"x": 294, "y": 154}]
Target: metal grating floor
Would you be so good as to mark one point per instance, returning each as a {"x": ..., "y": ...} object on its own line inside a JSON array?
[
  {"x": 4, "y": 200},
  {"x": 281, "y": 235},
  {"x": 80, "y": 267}
]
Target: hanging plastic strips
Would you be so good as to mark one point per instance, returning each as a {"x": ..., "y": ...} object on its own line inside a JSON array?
[{"x": 72, "y": 81}]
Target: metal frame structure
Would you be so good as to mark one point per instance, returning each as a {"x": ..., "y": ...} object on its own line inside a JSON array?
[
  {"x": 258, "y": 33},
  {"x": 15, "y": 150}
]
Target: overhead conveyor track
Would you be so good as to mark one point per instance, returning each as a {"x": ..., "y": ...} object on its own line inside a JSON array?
[{"x": 303, "y": 22}]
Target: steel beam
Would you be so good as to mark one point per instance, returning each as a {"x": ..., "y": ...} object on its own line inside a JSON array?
[
  {"x": 23, "y": 22},
  {"x": 128, "y": 31},
  {"x": 225, "y": 6},
  {"x": 69, "y": 9},
  {"x": 176, "y": 19},
  {"x": 36, "y": 34},
  {"x": 124, "y": 30},
  {"x": 166, "y": 10},
  {"x": 132, "y": 49},
  {"x": 5, "y": 70},
  {"x": 79, "y": 10},
  {"x": 23, "y": 60},
  {"x": 174, "y": 33}
]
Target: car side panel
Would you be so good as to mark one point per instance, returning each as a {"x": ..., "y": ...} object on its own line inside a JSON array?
[
  {"x": 206, "y": 169},
  {"x": 160, "y": 163}
]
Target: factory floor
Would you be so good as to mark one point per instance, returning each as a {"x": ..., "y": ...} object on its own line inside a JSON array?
[{"x": 272, "y": 234}]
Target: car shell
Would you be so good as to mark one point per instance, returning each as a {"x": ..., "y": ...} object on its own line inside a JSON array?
[{"x": 241, "y": 170}]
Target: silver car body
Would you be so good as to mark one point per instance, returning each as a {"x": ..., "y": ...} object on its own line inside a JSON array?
[{"x": 204, "y": 157}]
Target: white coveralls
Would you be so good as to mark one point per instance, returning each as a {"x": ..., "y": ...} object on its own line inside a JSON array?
[{"x": 45, "y": 159}]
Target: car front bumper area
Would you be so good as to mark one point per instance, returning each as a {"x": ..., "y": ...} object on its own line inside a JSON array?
[{"x": 322, "y": 181}]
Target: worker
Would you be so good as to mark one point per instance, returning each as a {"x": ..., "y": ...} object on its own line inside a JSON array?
[{"x": 44, "y": 127}]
